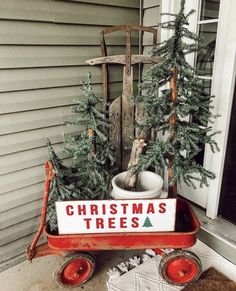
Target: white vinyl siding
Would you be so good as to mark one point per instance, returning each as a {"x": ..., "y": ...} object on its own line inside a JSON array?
[{"x": 43, "y": 48}]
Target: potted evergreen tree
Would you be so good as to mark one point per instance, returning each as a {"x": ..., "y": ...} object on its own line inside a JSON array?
[
  {"x": 90, "y": 150},
  {"x": 178, "y": 111},
  {"x": 92, "y": 157}
]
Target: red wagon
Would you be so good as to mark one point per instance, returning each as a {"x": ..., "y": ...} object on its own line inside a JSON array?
[{"x": 178, "y": 267}]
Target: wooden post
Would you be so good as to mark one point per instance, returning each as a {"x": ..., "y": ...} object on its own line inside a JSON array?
[
  {"x": 127, "y": 117},
  {"x": 105, "y": 80},
  {"x": 172, "y": 189},
  {"x": 116, "y": 130}
]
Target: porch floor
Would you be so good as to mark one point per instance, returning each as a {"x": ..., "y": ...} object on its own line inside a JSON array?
[{"x": 37, "y": 276}]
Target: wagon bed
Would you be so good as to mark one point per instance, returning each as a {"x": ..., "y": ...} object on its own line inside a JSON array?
[{"x": 187, "y": 225}]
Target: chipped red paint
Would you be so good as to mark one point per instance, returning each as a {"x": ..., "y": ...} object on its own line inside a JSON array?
[
  {"x": 113, "y": 241},
  {"x": 121, "y": 241},
  {"x": 49, "y": 171},
  {"x": 60, "y": 244},
  {"x": 45, "y": 250}
]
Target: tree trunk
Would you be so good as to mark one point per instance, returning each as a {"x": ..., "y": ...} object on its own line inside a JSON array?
[
  {"x": 172, "y": 189},
  {"x": 132, "y": 175},
  {"x": 91, "y": 133}
]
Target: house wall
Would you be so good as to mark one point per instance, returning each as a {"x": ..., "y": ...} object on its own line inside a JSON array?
[
  {"x": 43, "y": 48},
  {"x": 151, "y": 17}
]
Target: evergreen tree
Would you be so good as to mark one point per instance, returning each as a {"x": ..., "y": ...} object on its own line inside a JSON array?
[
  {"x": 147, "y": 222},
  {"x": 182, "y": 113},
  {"x": 66, "y": 185},
  {"x": 91, "y": 153},
  {"x": 90, "y": 173}
]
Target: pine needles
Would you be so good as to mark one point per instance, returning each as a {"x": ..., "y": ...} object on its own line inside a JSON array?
[
  {"x": 178, "y": 144},
  {"x": 92, "y": 157}
]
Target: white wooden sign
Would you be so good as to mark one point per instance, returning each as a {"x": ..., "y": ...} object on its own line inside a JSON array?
[{"x": 104, "y": 216}]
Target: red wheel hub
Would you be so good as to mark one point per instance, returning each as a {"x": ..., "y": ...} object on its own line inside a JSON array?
[
  {"x": 76, "y": 272},
  {"x": 181, "y": 270}
]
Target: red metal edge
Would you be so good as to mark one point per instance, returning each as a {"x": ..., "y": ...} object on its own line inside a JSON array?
[
  {"x": 31, "y": 250},
  {"x": 41, "y": 251},
  {"x": 109, "y": 241}
]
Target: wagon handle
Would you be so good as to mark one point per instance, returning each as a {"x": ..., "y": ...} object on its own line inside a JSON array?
[{"x": 50, "y": 174}]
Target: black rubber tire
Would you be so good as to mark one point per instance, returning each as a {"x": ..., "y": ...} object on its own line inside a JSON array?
[
  {"x": 188, "y": 258},
  {"x": 86, "y": 262}
]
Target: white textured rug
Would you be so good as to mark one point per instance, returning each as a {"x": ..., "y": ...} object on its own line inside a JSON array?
[{"x": 145, "y": 277}]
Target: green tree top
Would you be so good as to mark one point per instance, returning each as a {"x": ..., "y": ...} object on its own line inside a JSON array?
[
  {"x": 147, "y": 222},
  {"x": 66, "y": 185},
  {"x": 180, "y": 114},
  {"x": 92, "y": 154}
]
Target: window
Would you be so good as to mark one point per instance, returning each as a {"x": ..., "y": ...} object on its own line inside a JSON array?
[{"x": 207, "y": 29}]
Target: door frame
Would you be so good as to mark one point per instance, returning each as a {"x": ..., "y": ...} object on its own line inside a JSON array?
[
  {"x": 223, "y": 81},
  {"x": 223, "y": 87}
]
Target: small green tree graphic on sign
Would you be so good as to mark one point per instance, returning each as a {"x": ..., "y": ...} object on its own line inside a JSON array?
[{"x": 147, "y": 222}]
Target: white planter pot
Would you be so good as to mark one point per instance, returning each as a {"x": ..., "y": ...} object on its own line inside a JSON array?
[{"x": 149, "y": 185}]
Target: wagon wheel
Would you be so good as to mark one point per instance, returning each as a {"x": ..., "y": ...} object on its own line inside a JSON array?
[
  {"x": 180, "y": 267},
  {"x": 74, "y": 270}
]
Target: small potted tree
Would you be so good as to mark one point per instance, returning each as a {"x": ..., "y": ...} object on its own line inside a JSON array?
[
  {"x": 177, "y": 110},
  {"x": 92, "y": 157}
]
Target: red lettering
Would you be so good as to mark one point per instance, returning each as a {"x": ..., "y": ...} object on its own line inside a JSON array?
[
  {"x": 99, "y": 223},
  {"x": 162, "y": 207},
  {"x": 81, "y": 209},
  {"x": 104, "y": 209},
  {"x": 135, "y": 223},
  {"x": 94, "y": 209},
  {"x": 113, "y": 209},
  {"x": 111, "y": 222},
  {"x": 124, "y": 205},
  {"x": 87, "y": 220},
  {"x": 123, "y": 221},
  {"x": 137, "y": 208},
  {"x": 150, "y": 208},
  {"x": 69, "y": 210}
]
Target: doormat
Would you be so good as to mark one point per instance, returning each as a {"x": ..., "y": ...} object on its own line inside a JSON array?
[
  {"x": 212, "y": 280},
  {"x": 139, "y": 273}
]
